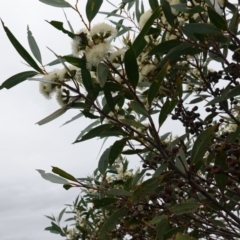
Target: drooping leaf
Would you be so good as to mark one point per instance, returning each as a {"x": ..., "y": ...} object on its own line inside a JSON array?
[
  {"x": 21, "y": 50},
  {"x": 216, "y": 19},
  {"x": 132, "y": 123},
  {"x": 59, "y": 26},
  {"x": 154, "y": 88},
  {"x": 103, "y": 202},
  {"x": 157, "y": 219},
  {"x": 87, "y": 81},
  {"x": 145, "y": 188},
  {"x": 164, "y": 47},
  {"x": 182, "y": 208},
  {"x": 73, "y": 119},
  {"x": 77, "y": 62},
  {"x": 139, "y": 108},
  {"x": 61, "y": 215},
  {"x": 92, "y": 8},
  {"x": 182, "y": 7},
  {"x": 139, "y": 43},
  {"x": 33, "y": 46},
  {"x": 162, "y": 228},
  {"x": 118, "y": 192},
  {"x": 153, "y": 4},
  {"x": 221, "y": 178},
  {"x": 53, "y": 116},
  {"x": 64, "y": 174},
  {"x": 16, "y": 79},
  {"x": 116, "y": 149},
  {"x": 181, "y": 236},
  {"x": 167, "y": 12},
  {"x": 202, "y": 28},
  {"x": 52, "y": 178},
  {"x": 56, "y": 3},
  {"x": 201, "y": 144},
  {"x": 166, "y": 110},
  {"x": 103, "y": 161},
  {"x": 102, "y": 73},
  {"x": 110, "y": 223},
  {"x": 131, "y": 66}
]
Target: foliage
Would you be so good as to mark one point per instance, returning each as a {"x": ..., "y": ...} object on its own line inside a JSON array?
[{"x": 186, "y": 187}]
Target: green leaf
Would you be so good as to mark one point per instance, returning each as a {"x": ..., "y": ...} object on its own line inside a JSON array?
[
  {"x": 145, "y": 188},
  {"x": 52, "y": 178},
  {"x": 92, "y": 8},
  {"x": 103, "y": 161},
  {"x": 233, "y": 135},
  {"x": 233, "y": 25},
  {"x": 53, "y": 116},
  {"x": 95, "y": 132},
  {"x": 216, "y": 19},
  {"x": 182, "y": 7},
  {"x": 103, "y": 202},
  {"x": 162, "y": 228},
  {"x": 139, "y": 108},
  {"x": 21, "y": 50},
  {"x": 157, "y": 219},
  {"x": 233, "y": 93},
  {"x": 131, "y": 66},
  {"x": 59, "y": 26},
  {"x": 153, "y": 4},
  {"x": 56, "y": 3},
  {"x": 87, "y": 81},
  {"x": 139, "y": 43},
  {"x": 154, "y": 88},
  {"x": 182, "y": 208},
  {"x": 181, "y": 236},
  {"x": 164, "y": 47},
  {"x": 221, "y": 179},
  {"x": 61, "y": 214},
  {"x": 102, "y": 73},
  {"x": 110, "y": 223},
  {"x": 166, "y": 109},
  {"x": 67, "y": 186},
  {"x": 73, "y": 119},
  {"x": 16, "y": 79},
  {"x": 64, "y": 174},
  {"x": 118, "y": 192},
  {"x": 116, "y": 149},
  {"x": 168, "y": 12},
  {"x": 33, "y": 46},
  {"x": 201, "y": 144},
  {"x": 132, "y": 123},
  {"x": 202, "y": 28},
  {"x": 77, "y": 62}
]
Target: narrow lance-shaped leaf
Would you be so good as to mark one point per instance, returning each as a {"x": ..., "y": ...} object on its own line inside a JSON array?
[
  {"x": 154, "y": 88},
  {"x": 64, "y": 174},
  {"x": 21, "y": 50},
  {"x": 33, "y": 46},
  {"x": 183, "y": 208},
  {"x": 53, "y": 116},
  {"x": 110, "y": 223},
  {"x": 131, "y": 66},
  {"x": 138, "y": 108},
  {"x": 59, "y": 26},
  {"x": 16, "y": 79},
  {"x": 116, "y": 149},
  {"x": 167, "y": 12},
  {"x": 166, "y": 109},
  {"x": 103, "y": 161},
  {"x": 77, "y": 62},
  {"x": 92, "y": 8},
  {"x": 216, "y": 19},
  {"x": 201, "y": 144},
  {"x": 52, "y": 178},
  {"x": 56, "y": 3},
  {"x": 102, "y": 73}
]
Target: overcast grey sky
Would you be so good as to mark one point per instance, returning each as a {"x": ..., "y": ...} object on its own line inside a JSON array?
[{"x": 25, "y": 197}]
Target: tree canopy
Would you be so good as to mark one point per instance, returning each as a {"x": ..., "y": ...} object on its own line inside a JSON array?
[{"x": 132, "y": 74}]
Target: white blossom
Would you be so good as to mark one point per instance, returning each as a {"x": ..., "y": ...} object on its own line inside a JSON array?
[
  {"x": 104, "y": 30},
  {"x": 76, "y": 43},
  {"x": 96, "y": 54},
  {"x": 144, "y": 18}
]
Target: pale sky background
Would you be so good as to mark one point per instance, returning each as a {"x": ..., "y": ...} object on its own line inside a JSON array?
[{"x": 25, "y": 196}]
